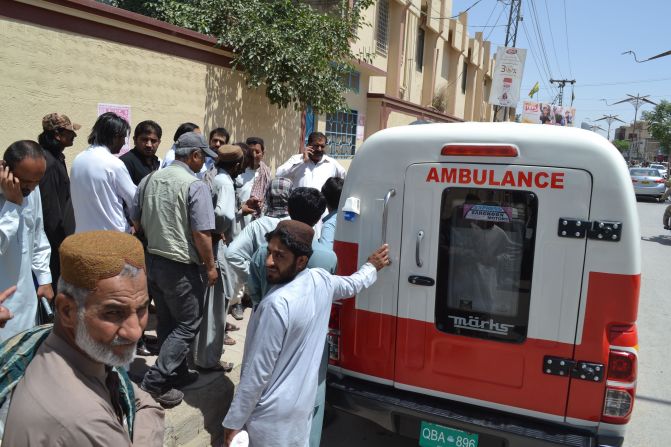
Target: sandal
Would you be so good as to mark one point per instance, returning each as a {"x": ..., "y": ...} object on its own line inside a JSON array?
[
  {"x": 219, "y": 367},
  {"x": 228, "y": 341},
  {"x": 231, "y": 327}
]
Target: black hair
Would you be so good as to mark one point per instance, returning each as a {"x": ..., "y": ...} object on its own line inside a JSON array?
[
  {"x": 296, "y": 247},
  {"x": 20, "y": 150},
  {"x": 306, "y": 205},
  {"x": 256, "y": 140},
  {"x": 48, "y": 141},
  {"x": 108, "y": 126},
  {"x": 331, "y": 191},
  {"x": 184, "y": 128},
  {"x": 314, "y": 136},
  {"x": 220, "y": 131},
  {"x": 148, "y": 126}
]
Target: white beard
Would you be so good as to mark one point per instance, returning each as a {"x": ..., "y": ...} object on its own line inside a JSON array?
[{"x": 100, "y": 352}]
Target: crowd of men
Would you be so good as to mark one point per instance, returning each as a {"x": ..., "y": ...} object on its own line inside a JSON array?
[{"x": 200, "y": 233}]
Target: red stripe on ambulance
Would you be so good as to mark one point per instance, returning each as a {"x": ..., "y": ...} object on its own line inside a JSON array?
[{"x": 483, "y": 369}]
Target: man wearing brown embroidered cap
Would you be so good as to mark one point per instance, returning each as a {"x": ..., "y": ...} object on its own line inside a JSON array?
[
  {"x": 209, "y": 343},
  {"x": 58, "y": 133},
  {"x": 75, "y": 391}
]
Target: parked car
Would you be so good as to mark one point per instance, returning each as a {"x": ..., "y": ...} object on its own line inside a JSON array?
[
  {"x": 661, "y": 168},
  {"x": 647, "y": 182}
]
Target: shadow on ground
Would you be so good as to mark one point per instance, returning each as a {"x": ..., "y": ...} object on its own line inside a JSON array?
[{"x": 660, "y": 239}]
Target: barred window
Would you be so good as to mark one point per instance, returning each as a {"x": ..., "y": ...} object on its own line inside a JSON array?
[
  {"x": 419, "y": 57},
  {"x": 382, "y": 28},
  {"x": 464, "y": 76},
  {"x": 341, "y": 133},
  {"x": 351, "y": 80}
]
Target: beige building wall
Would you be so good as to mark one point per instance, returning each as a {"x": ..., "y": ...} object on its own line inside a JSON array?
[{"x": 46, "y": 70}]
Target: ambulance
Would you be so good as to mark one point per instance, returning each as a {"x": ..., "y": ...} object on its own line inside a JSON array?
[{"x": 508, "y": 314}]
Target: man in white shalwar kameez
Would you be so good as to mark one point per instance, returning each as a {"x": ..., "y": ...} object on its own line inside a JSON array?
[
  {"x": 24, "y": 247},
  {"x": 275, "y": 398}
]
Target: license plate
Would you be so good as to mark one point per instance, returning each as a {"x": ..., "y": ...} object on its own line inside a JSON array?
[
  {"x": 434, "y": 435},
  {"x": 646, "y": 183}
]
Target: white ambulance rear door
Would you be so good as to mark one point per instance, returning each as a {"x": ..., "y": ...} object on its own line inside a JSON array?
[{"x": 487, "y": 286}]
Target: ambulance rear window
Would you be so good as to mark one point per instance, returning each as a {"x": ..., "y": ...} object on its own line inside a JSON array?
[{"x": 485, "y": 260}]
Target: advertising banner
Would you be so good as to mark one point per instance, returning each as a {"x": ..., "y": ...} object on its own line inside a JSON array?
[
  {"x": 124, "y": 112},
  {"x": 546, "y": 113},
  {"x": 507, "y": 78}
]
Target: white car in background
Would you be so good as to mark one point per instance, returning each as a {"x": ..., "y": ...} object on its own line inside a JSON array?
[
  {"x": 647, "y": 182},
  {"x": 661, "y": 168}
]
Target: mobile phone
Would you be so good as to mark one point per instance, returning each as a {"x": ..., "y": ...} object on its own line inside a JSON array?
[{"x": 46, "y": 307}]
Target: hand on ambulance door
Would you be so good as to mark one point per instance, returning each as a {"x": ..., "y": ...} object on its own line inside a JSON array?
[{"x": 380, "y": 257}]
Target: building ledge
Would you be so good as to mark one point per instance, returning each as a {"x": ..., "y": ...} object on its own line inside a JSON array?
[
  {"x": 94, "y": 19},
  {"x": 413, "y": 109}
]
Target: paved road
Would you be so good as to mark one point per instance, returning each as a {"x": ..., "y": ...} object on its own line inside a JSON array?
[{"x": 651, "y": 422}]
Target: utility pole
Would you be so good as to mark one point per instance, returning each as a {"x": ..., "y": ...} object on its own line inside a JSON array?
[
  {"x": 514, "y": 19},
  {"x": 561, "y": 83},
  {"x": 610, "y": 119},
  {"x": 636, "y": 101}
]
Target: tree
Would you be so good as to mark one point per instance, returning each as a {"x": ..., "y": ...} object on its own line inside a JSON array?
[
  {"x": 659, "y": 124},
  {"x": 621, "y": 145},
  {"x": 298, "y": 54}
]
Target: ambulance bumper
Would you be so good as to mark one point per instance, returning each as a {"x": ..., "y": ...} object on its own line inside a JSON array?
[{"x": 402, "y": 412}]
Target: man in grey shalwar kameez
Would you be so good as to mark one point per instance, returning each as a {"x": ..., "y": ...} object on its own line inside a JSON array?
[
  {"x": 208, "y": 344},
  {"x": 275, "y": 398}
]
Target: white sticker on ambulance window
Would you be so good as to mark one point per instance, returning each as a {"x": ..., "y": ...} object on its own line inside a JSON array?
[{"x": 489, "y": 213}]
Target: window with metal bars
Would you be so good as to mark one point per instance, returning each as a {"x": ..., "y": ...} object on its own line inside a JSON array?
[
  {"x": 464, "y": 76},
  {"x": 382, "y": 27},
  {"x": 419, "y": 57},
  {"x": 351, "y": 80},
  {"x": 341, "y": 133}
]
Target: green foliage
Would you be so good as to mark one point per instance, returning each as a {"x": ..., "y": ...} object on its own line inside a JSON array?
[
  {"x": 659, "y": 124},
  {"x": 297, "y": 53},
  {"x": 621, "y": 145}
]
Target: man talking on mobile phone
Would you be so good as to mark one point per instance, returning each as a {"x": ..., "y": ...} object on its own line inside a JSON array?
[
  {"x": 24, "y": 248},
  {"x": 312, "y": 167}
]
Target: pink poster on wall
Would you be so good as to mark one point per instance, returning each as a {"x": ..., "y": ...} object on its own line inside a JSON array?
[{"x": 124, "y": 112}]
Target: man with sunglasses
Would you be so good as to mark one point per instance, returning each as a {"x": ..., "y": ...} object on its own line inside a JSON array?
[{"x": 312, "y": 167}]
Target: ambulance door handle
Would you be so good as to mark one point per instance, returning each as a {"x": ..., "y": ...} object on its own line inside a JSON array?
[
  {"x": 418, "y": 258},
  {"x": 421, "y": 280},
  {"x": 385, "y": 213}
]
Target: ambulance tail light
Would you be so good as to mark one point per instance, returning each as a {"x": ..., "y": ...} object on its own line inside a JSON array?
[
  {"x": 469, "y": 150},
  {"x": 618, "y": 404},
  {"x": 622, "y": 366},
  {"x": 661, "y": 180},
  {"x": 334, "y": 334}
]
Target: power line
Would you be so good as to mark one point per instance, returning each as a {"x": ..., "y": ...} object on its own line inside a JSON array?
[
  {"x": 642, "y": 81},
  {"x": 543, "y": 73},
  {"x": 539, "y": 34},
  {"x": 552, "y": 37},
  {"x": 497, "y": 22},
  {"x": 485, "y": 26},
  {"x": 491, "y": 13},
  {"x": 568, "y": 51},
  {"x": 444, "y": 18}
]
